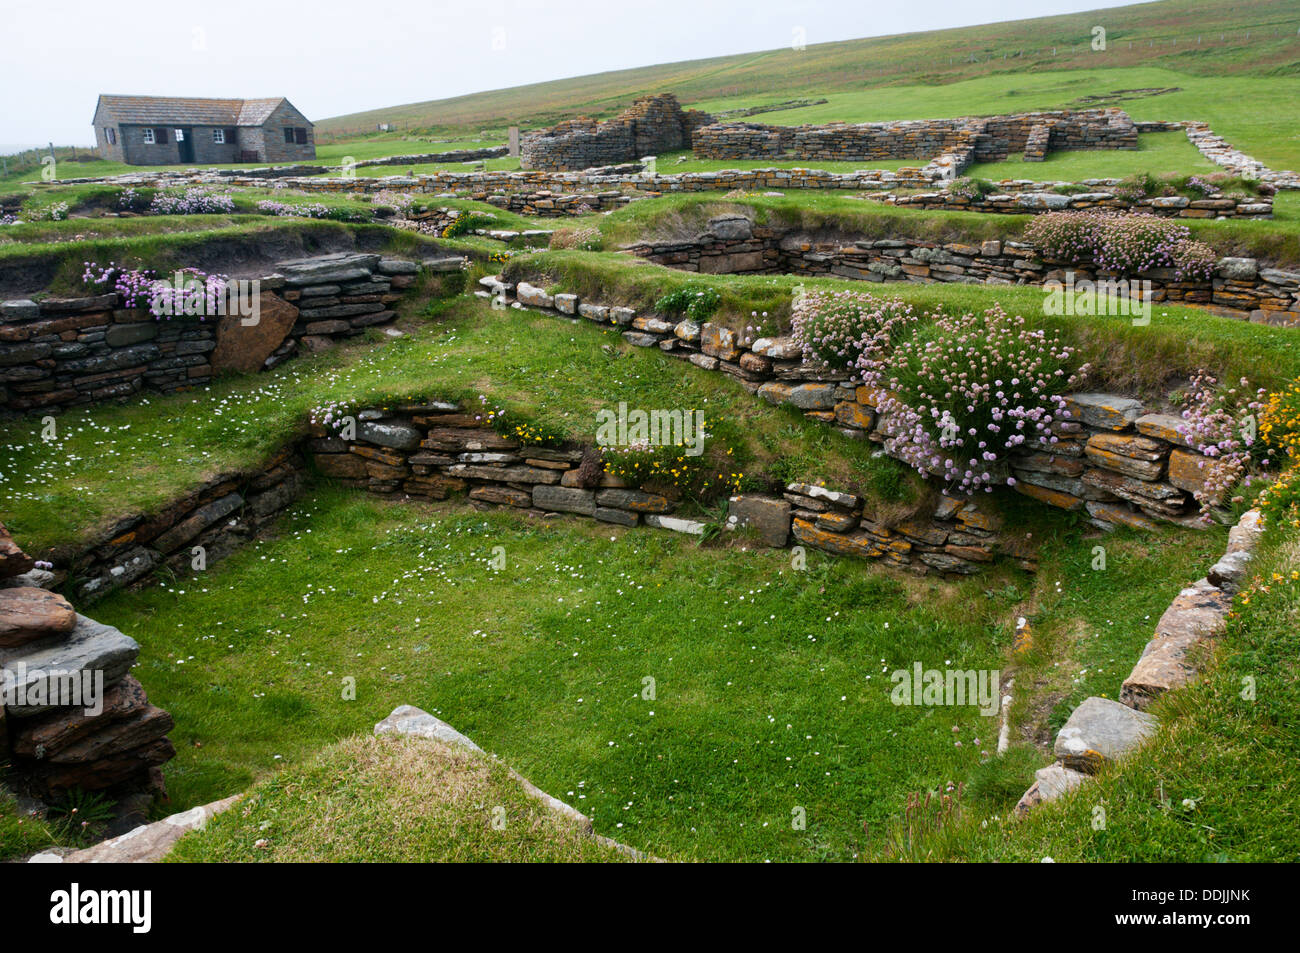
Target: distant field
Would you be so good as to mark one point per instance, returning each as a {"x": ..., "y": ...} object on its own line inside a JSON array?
[{"x": 1187, "y": 38}]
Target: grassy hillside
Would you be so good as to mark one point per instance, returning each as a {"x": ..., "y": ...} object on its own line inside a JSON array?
[{"x": 1192, "y": 37}]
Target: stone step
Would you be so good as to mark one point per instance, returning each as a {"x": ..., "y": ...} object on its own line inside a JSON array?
[{"x": 1101, "y": 731}]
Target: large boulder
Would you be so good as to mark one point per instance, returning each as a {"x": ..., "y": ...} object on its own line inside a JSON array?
[{"x": 243, "y": 347}]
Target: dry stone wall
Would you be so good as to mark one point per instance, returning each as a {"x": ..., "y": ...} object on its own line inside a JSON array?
[
  {"x": 105, "y": 736},
  {"x": 651, "y": 125},
  {"x": 1100, "y": 731},
  {"x": 1240, "y": 288},
  {"x": 208, "y": 524},
  {"x": 67, "y": 352},
  {"x": 1113, "y": 459},
  {"x": 435, "y": 450},
  {"x": 981, "y": 139}
]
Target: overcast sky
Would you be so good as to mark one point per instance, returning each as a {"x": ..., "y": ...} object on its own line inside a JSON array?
[{"x": 332, "y": 57}]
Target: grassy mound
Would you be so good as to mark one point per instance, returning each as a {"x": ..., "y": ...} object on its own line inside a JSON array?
[{"x": 391, "y": 800}]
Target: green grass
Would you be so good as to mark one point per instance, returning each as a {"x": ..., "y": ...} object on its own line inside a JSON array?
[
  {"x": 771, "y": 686},
  {"x": 20, "y": 834},
  {"x": 1157, "y": 152},
  {"x": 391, "y": 800},
  {"x": 56, "y": 494},
  {"x": 1231, "y": 756}
]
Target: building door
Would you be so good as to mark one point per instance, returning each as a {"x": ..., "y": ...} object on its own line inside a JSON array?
[{"x": 185, "y": 142}]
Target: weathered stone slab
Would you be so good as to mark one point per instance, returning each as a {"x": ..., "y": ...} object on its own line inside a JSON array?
[
  {"x": 1105, "y": 411},
  {"x": 1168, "y": 660},
  {"x": 1162, "y": 427},
  {"x": 396, "y": 436},
  {"x": 634, "y": 501},
  {"x": 146, "y": 843},
  {"x": 35, "y": 668},
  {"x": 27, "y": 614},
  {"x": 766, "y": 514},
  {"x": 565, "y": 499},
  {"x": 1101, "y": 730},
  {"x": 842, "y": 501},
  {"x": 518, "y": 474}
]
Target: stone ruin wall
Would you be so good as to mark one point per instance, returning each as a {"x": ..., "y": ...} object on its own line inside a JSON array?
[
  {"x": 112, "y": 740},
  {"x": 1241, "y": 288},
  {"x": 653, "y": 124},
  {"x": 985, "y": 139},
  {"x": 67, "y": 352}
]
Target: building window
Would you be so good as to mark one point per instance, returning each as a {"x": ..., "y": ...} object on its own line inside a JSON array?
[
  {"x": 219, "y": 136},
  {"x": 300, "y": 136},
  {"x": 180, "y": 135},
  {"x": 288, "y": 134},
  {"x": 148, "y": 136},
  {"x": 110, "y": 135}
]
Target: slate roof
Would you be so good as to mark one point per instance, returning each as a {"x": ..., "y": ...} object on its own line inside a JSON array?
[{"x": 197, "y": 112}]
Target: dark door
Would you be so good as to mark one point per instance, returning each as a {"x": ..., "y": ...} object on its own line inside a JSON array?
[{"x": 185, "y": 141}]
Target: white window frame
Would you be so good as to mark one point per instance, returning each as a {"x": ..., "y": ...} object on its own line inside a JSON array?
[
  {"x": 179, "y": 134},
  {"x": 219, "y": 136},
  {"x": 148, "y": 135}
]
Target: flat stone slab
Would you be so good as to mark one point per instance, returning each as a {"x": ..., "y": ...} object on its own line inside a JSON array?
[
  {"x": 146, "y": 843},
  {"x": 396, "y": 436},
  {"x": 1106, "y": 411},
  {"x": 768, "y": 515},
  {"x": 564, "y": 499},
  {"x": 409, "y": 720},
  {"x": 29, "y": 613},
  {"x": 1196, "y": 614},
  {"x": 34, "y": 668},
  {"x": 1101, "y": 730}
]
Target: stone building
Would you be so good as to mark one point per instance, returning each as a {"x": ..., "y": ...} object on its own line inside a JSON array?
[{"x": 165, "y": 130}]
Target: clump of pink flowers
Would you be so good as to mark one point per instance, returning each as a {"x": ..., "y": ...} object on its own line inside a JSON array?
[
  {"x": 838, "y": 327},
  {"x": 133, "y": 285},
  {"x": 1127, "y": 243},
  {"x": 957, "y": 400},
  {"x": 192, "y": 292},
  {"x": 1221, "y": 423},
  {"x": 194, "y": 201},
  {"x": 272, "y": 207}
]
